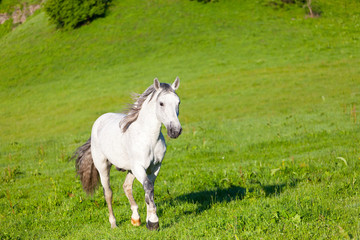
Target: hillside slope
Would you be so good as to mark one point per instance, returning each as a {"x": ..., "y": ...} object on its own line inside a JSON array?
[{"x": 44, "y": 70}]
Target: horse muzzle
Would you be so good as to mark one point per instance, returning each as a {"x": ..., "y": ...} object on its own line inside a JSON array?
[{"x": 173, "y": 131}]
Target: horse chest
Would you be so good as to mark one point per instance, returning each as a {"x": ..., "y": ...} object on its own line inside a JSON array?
[
  {"x": 151, "y": 158},
  {"x": 155, "y": 154}
]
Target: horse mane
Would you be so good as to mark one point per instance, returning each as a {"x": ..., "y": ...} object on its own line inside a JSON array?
[{"x": 133, "y": 110}]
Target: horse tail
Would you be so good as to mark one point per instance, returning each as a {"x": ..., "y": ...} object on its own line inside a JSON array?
[{"x": 85, "y": 168}]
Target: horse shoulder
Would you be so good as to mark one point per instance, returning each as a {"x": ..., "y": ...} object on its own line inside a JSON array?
[
  {"x": 107, "y": 120},
  {"x": 106, "y": 134}
]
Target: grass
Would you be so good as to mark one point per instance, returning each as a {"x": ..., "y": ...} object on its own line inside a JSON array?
[{"x": 270, "y": 147}]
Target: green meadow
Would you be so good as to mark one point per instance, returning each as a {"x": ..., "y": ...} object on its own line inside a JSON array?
[{"x": 270, "y": 103}]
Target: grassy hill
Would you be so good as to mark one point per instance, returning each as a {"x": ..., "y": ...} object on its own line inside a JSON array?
[{"x": 270, "y": 147}]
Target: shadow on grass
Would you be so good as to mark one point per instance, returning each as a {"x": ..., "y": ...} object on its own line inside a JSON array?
[
  {"x": 276, "y": 189},
  {"x": 271, "y": 190},
  {"x": 204, "y": 199}
]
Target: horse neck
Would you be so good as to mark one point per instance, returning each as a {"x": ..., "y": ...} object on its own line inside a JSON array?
[{"x": 147, "y": 121}]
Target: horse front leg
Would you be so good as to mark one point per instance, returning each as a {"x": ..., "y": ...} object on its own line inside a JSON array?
[{"x": 152, "y": 220}]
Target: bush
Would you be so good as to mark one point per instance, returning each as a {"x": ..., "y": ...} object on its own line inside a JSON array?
[
  {"x": 207, "y": 1},
  {"x": 69, "y": 14},
  {"x": 6, "y": 27},
  {"x": 284, "y": 3},
  {"x": 311, "y": 9}
]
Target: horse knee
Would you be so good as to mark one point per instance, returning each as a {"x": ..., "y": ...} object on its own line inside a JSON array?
[
  {"x": 148, "y": 185},
  {"x": 126, "y": 186},
  {"x": 149, "y": 192}
]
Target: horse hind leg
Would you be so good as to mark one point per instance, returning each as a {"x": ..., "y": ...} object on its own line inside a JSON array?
[
  {"x": 105, "y": 181},
  {"x": 127, "y": 186}
]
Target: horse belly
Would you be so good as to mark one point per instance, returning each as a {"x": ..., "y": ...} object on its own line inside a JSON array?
[
  {"x": 120, "y": 161},
  {"x": 117, "y": 155}
]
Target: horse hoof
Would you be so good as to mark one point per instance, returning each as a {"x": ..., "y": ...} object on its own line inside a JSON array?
[
  {"x": 135, "y": 222},
  {"x": 113, "y": 226},
  {"x": 152, "y": 225}
]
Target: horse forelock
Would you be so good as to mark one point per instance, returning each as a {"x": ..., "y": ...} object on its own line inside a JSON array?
[
  {"x": 133, "y": 110},
  {"x": 166, "y": 87}
]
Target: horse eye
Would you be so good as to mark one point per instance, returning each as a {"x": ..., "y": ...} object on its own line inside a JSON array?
[{"x": 161, "y": 104}]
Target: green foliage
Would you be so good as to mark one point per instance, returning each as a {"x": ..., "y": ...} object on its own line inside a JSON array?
[
  {"x": 6, "y": 27},
  {"x": 8, "y": 6},
  {"x": 284, "y": 3},
  {"x": 206, "y": 1},
  {"x": 310, "y": 7},
  {"x": 69, "y": 14},
  {"x": 11, "y": 173}
]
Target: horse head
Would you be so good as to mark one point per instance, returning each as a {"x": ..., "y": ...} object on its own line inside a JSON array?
[{"x": 167, "y": 106}]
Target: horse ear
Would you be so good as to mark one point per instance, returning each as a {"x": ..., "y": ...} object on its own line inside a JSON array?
[
  {"x": 156, "y": 84},
  {"x": 176, "y": 83}
]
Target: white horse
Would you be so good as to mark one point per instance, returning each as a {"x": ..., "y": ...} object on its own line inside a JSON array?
[{"x": 131, "y": 142}]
